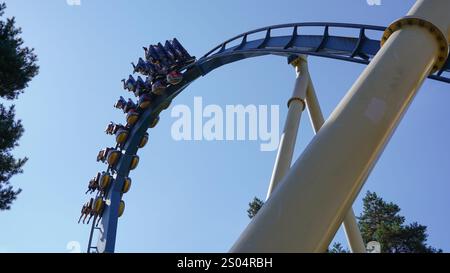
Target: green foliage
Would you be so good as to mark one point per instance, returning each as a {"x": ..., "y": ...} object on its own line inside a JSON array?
[
  {"x": 380, "y": 221},
  {"x": 17, "y": 68},
  {"x": 17, "y": 63},
  {"x": 255, "y": 206},
  {"x": 338, "y": 248}
]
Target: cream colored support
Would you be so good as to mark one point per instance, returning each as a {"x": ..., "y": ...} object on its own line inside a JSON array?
[
  {"x": 296, "y": 105},
  {"x": 354, "y": 238},
  {"x": 311, "y": 201}
]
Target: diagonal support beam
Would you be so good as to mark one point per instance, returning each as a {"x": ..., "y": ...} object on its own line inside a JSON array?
[{"x": 354, "y": 238}]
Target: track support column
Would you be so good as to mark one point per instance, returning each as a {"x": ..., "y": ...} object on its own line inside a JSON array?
[
  {"x": 296, "y": 105},
  {"x": 351, "y": 229},
  {"x": 354, "y": 238},
  {"x": 310, "y": 203}
]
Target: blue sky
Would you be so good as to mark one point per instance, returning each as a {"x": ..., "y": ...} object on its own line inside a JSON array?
[{"x": 192, "y": 196}]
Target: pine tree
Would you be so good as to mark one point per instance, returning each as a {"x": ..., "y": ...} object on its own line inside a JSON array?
[
  {"x": 380, "y": 221},
  {"x": 17, "y": 68},
  {"x": 338, "y": 248}
]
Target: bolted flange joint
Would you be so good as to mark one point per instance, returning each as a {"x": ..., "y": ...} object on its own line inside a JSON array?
[{"x": 409, "y": 21}]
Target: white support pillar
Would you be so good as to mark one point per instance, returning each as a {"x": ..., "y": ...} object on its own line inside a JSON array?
[
  {"x": 311, "y": 201},
  {"x": 296, "y": 105},
  {"x": 354, "y": 238}
]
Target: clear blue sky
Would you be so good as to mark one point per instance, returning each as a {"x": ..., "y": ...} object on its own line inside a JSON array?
[{"x": 192, "y": 196}]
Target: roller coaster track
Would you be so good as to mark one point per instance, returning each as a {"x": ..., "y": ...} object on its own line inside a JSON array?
[{"x": 360, "y": 49}]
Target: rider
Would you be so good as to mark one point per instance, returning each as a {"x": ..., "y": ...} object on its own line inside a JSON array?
[
  {"x": 101, "y": 156},
  {"x": 93, "y": 184},
  {"x": 141, "y": 67},
  {"x": 129, "y": 84},
  {"x": 113, "y": 128},
  {"x": 158, "y": 81},
  {"x": 183, "y": 54},
  {"x": 109, "y": 129},
  {"x": 120, "y": 104},
  {"x": 172, "y": 62},
  {"x": 141, "y": 87},
  {"x": 86, "y": 210},
  {"x": 129, "y": 106}
]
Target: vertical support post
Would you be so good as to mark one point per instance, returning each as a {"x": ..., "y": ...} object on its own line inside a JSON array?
[
  {"x": 354, "y": 238},
  {"x": 296, "y": 105},
  {"x": 321, "y": 186}
]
